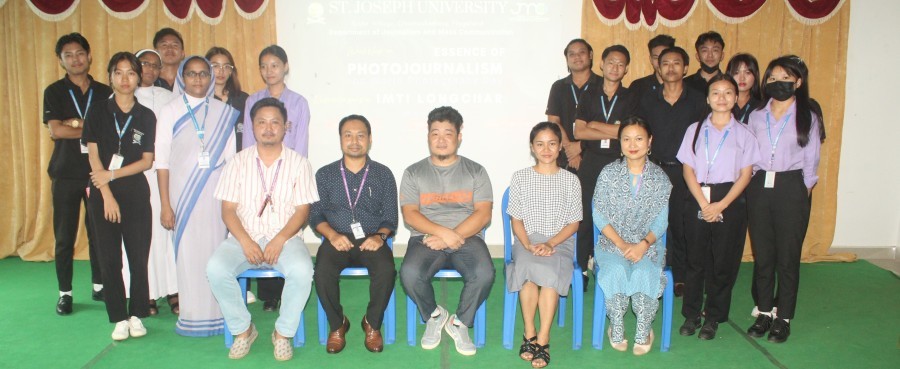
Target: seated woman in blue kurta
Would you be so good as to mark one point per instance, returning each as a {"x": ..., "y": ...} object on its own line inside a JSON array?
[{"x": 630, "y": 210}]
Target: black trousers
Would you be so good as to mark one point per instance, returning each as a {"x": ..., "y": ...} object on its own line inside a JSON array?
[
  {"x": 714, "y": 253},
  {"x": 778, "y": 218},
  {"x": 676, "y": 248},
  {"x": 269, "y": 288},
  {"x": 68, "y": 195},
  {"x": 329, "y": 264},
  {"x": 591, "y": 165},
  {"x": 133, "y": 197}
]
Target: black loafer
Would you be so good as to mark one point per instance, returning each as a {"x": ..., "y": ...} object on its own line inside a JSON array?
[
  {"x": 689, "y": 327},
  {"x": 781, "y": 330},
  {"x": 97, "y": 295},
  {"x": 760, "y": 327},
  {"x": 271, "y": 305},
  {"x": 584, "y": 283},
  {"x": 708, "y": 331},
  {"x": 64, "y": 305}
]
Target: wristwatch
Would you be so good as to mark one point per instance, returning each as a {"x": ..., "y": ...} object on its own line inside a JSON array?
[
  {"x": 74, "y": 123},
  {"x": 384, "y": 236}
]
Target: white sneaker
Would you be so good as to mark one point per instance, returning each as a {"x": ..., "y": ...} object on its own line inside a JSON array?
[
  {"x": 432, "y": 336},
  {"x": 251, "y": 298},
  {"x": 460, "y": 335},
  {"x": 120, "y": 333},
  {"x": 136, "y": 327}
]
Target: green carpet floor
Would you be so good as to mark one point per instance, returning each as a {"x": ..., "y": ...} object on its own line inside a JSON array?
[{"x": 848, "y": 316}]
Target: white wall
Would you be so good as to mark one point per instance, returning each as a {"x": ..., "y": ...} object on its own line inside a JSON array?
[
  {"x": 868, "y": 207},
  {"x": 366, "y": 57}
]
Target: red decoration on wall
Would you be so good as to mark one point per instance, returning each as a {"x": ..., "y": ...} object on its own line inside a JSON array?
[
  {"x": 210, "y": 11},
  {"x": 672, "y": 13},
  {"x": 123, "y": 6},
  {"x": 737, "y": 8}
]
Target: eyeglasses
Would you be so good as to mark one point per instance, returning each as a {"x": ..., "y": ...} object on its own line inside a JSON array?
[
  {"x": 150, "y": 65},
  {"x": 192, "y": 74},
  {"x": 225, "y": 67}
]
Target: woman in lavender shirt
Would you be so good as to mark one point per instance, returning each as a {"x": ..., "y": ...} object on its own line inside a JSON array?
[{"x": 789, "y": 135}]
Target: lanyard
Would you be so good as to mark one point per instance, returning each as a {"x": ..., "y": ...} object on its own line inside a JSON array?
[
  {"x": 611, "y": 107},
  {"x": 774, "y": 143},
  {"x": 583, "y": 89},
  {"x": 268, "y": 190},
  {"x": 711, "y": 161},
  {"x": 746, "y": 111},
  {"x": 86, "y": 106},
  {"x": 121, "y": 131},
  {"x": 358, "y": 192},
  {"x": 197, "y": 126}
]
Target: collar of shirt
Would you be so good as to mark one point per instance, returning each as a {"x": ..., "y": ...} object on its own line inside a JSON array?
[
  {"x": 708, "y": 123},
  {"x": 661, "y": 97},
  {"x": 591, "y": 80},
  {"x": 280, "y": 156},
  {"x": 792, "y": 110}
]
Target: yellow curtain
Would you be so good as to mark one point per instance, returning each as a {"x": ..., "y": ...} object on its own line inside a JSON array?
[
  {"x": 771, "y": 32},
  {"x": 28, "y": 65}
]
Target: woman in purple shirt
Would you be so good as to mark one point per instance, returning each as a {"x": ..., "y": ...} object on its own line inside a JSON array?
[
  {"x": 717, "y": 156},
  {"x": 788, "y": 134}
]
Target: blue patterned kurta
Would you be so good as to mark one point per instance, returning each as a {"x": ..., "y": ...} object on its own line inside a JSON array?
[{"x": 632, "y": 215}]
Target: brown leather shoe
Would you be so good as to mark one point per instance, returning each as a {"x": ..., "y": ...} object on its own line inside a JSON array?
[
  {"x": 374, "y": 342},
  {"x": 336, "y": 340}
]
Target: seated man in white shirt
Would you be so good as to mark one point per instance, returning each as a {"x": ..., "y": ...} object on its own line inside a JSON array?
[{"x": 266, "y": 192}]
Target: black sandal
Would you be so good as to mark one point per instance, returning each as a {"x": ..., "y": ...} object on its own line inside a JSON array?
[
  {"x": 528, "y": 347},
  {"x": 541, "y": 353},
  {"x": 173, "y": 303},
  {"x": 154, "y": 309}
]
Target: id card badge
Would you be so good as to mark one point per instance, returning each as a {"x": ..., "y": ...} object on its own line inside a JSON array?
[
  {"x": 770, "y": 179},
  {"x": 604, "y": 144},
  {"x": 707, "y": 192},
  {"x": 357, "y": 231},
  {"x": 116, "y": 162},
  {"x": 203, "y": 160},
  {"x": 84, "y": 149}
]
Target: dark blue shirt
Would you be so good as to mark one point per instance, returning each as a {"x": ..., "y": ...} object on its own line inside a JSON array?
[{"x": 377, "y": 206}]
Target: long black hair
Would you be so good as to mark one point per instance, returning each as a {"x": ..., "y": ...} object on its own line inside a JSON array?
[
  {"x": 806, "y": 107},
  {"x": 750, "y": 61}
]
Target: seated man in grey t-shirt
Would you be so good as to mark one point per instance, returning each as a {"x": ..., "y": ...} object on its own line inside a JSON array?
[{"x": 446, "y": 200}]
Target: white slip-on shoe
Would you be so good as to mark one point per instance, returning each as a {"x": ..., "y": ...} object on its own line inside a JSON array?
[
  {"x": 241, "y": 346},
  {"x": 120, "y": 333},
  {"x": 136, "y": 327}
]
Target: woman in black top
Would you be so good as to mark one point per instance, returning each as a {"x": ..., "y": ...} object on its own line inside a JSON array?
[
  {"x": 745, "y": 71},
  {"x": 228, "y": 87},
  {"x": 120, "y": 135}
]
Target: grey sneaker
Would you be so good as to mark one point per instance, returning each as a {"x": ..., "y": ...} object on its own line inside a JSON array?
[
  {"x": 432, "y": 336},
  {"x": 460, "y": 334}
]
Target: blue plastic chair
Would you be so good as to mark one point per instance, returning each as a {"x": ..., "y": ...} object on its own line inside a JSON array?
[
  {"x": 243, "y": 281},
  {"x": 511, "y": 299},
  {"x": 390, "y": 314},
  {"x": 668, "y": 299}
]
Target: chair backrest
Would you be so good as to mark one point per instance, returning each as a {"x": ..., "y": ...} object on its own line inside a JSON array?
[{"x": 508, "y": 235}]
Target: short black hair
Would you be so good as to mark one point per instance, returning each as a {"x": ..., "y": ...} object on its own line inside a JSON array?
[
  {"x": 586, "y": 44},
  {"x": 73, "y": 37},
  {"x": 124, "y": 55},
  {"x": 167, "y": 32},
  {"x": 553, "y": 127},
  {"x": 661, "y": 40},
  {"x": 677, "y": 50},
  {"x": 617, "y": 48},
  {"x": 709, "y": 36},
  {"x": 267, "y": 102},
  {"x": 446, "y": 113},
  {"x": 274, "y": 50},
  {"x": 355, "y": 117}
]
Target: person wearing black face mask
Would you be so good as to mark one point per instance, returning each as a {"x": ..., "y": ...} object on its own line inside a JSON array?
[
  {"x": 710, "y": 51},
  {"x": 788, "y": 132}
]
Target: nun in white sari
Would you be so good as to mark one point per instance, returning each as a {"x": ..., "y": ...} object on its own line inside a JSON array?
[{"x": 195, "y": 138}]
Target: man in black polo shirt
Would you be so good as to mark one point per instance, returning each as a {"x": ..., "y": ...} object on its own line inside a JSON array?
[
  {"x": 710, "y": 50},
  {"x": 596, "y": 126},
  {"x": 66, "y": 103},
  {"x": 567, "y": 93},
  {"x": 170, "y": 46},
  {"x": 669, "y": 112},
  {"x": 652, "y": 82}
]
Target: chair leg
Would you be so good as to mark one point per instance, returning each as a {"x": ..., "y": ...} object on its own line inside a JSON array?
[
  {"x": 510, "y": 300},
  {"x": 390, "y": 319},
  {"x": 599, "y": 318},
  {"x": 411, "y": 318},
  {"x": 668, "y": 298},
  {"x": 577, "y": 292},
  {"x": 300, "y": 336},
  {"x": 323, "y": 322},
  {"x": 561, "y": 312},
  {"x": 481, "y": 325}
]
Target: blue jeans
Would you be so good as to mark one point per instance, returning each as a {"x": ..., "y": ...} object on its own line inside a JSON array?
[
  {"x": 229, "y": 261},
  {"x": 472, "y": 260}
]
